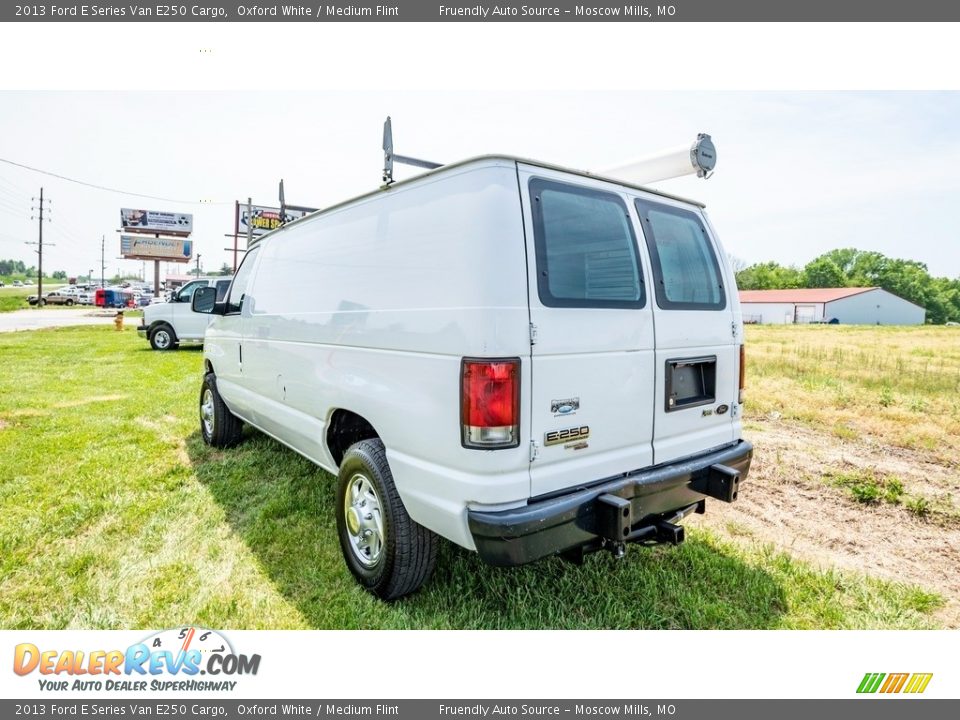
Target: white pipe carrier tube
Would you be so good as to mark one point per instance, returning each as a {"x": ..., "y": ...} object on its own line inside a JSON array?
[{"x": 699, "y": 158}]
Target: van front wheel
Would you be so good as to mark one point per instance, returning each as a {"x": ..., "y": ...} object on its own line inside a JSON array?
[
  {"x": 387, "y": 552},
  {"x": 219, "y": 427},
  {"x": 163, "y": 338}
]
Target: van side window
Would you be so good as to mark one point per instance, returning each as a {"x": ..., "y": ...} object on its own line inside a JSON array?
[
  {"x": 685, "y": 269},
  {"x": 222, "y": 287},
  {"x": 587, "y": 254},
  {"x": 238, "y": 287}
]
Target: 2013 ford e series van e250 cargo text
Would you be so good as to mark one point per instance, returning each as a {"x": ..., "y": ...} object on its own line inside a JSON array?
[{"x": 523, "y": 359}]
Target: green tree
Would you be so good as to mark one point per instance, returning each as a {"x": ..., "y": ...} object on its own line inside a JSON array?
[
  {"x": 823, "y": 273},
  {"x": 768, "y": 276},
  {"x": 59, "y": 275}
]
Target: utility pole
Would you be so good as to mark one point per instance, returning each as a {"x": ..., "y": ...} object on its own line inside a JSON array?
[
  {"x": 39, "y": 249},
  {"x": 103, "y": 261},
  {"x": 198, "y": 264}
]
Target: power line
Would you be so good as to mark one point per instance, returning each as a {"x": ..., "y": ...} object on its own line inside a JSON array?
[
  {"x": 110, "y": 189},
  {"x": 13, "y": 189},
  {"x": 16, "y": 213},
  {"x": 13, "y": 205},
  {"x": 16, "y": 197}
]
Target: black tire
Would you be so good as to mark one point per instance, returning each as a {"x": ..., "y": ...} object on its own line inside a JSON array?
[
  {"x": 408, "y": 551},
  {"x": 69, "y": 303},
  {"x": 222, "y": 429},
  {"x": 163, "y": 338}
]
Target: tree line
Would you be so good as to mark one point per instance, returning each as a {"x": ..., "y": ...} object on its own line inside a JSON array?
[
  {"x": 849, "y": 267},
  {"x": 18, "y": 267}
]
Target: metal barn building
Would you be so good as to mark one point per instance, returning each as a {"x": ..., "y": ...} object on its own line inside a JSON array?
[{"x": 850, "y": 306}]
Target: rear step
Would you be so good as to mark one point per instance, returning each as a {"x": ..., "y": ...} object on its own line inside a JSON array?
[{"x": 720, "y": 481}]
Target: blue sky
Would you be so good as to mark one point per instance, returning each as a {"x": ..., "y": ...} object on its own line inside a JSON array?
[{"x": 798, "y": 174}]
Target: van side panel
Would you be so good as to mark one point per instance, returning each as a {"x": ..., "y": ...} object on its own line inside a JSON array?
[{"x": 371, "y": 307}]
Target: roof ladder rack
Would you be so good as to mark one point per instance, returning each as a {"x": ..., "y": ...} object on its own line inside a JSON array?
[{"x": 389, "y": 157}]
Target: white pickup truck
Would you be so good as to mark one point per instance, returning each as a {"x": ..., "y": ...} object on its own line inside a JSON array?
[{"x": 524, "y": 359}]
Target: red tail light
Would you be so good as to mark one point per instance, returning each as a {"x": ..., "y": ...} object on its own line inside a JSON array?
[
  {"x": 490, "y": 403},
  {"x": 743, "y": 374}
]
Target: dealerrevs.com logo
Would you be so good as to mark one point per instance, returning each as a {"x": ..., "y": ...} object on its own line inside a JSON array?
[
  {"x": 171, "y": 660},
  {"x": 909, "y": 683}
]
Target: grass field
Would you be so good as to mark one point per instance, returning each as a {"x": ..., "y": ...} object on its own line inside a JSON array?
[
  {"x": 114, "y": 514},
  {"x": 14, "y": 298},
  {"x": 899, "y": 386},
  {"x": 891, "y": 387}
]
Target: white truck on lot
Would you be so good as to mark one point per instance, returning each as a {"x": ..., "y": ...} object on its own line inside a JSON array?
[
  {"x": 524, "y": 359},
  {"x": 167, "y": 324}
]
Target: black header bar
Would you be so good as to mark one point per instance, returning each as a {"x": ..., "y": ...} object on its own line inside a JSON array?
[{"x": 460, "y": 11}]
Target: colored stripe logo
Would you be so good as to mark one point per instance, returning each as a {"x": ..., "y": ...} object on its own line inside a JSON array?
[{"x": 913, "y": 683}]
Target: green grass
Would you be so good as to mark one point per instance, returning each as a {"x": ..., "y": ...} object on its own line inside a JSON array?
[
  {"x": 12, "y": 298},
  {"x": 870, "y": 489},
  {"x": 114, "y": 514},
  {"x": 899, "y": 386}
]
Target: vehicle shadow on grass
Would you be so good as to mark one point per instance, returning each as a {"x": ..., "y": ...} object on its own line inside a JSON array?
[{"x": 282, "y": 507}]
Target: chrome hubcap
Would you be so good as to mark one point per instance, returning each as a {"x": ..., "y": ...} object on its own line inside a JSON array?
[
  {"x": 206, "y": 411},
  {"x": 162, "y": 338},
  {"x": 364, "y": 520}
]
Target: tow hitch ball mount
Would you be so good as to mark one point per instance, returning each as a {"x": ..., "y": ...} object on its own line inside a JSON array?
[{"x": 615, "y": 525}]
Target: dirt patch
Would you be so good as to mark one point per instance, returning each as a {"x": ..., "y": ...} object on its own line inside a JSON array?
[
  {"x": 3, "y": 424},
  {"x": 786, "y": 504}
]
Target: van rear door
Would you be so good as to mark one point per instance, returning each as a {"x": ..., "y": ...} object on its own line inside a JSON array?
[
  {"x": 697, "y": 338},
  {"x": 592, "y": 354}
]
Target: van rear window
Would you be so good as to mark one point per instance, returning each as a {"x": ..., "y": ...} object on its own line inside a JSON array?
[
  {"x": 587, "y": 253},
  {"x": 685, "y": 268}
]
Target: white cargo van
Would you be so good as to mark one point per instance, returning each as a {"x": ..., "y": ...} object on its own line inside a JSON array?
[
  {"x": 168, "y": 324},
  {"x": 524, "y": 359}
]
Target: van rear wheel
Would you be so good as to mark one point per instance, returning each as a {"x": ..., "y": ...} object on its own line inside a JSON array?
[
  {"x": 388, "y": 553},
  {"x": 219, "y": 427}
]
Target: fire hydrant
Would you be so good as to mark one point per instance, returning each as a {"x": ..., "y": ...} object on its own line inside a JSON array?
[{"x": 118, "y": 321}]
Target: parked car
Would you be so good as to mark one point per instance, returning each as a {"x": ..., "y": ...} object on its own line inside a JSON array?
[
  {"x": 523, "y": 359},
  {"x": 54, "y": 297},
  {"x": 17, "y": 283},
  {"x": 85, "y": 298},
  {"x": 2, "y": 284},
  {"x": 168, "y": 324}
]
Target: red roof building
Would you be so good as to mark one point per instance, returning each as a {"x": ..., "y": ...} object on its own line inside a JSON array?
[{"x": 852, "y": 305}]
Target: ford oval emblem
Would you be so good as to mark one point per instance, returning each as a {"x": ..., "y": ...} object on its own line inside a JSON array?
[
  {"x": 565, "y": 409},
  {"x": 722, "y": 409}
]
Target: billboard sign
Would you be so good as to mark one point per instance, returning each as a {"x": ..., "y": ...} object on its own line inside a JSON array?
[
  {"x": 156, "y": 221},
  {"x": 141, "y": 247},
  {"x": 262, "y": 220}
]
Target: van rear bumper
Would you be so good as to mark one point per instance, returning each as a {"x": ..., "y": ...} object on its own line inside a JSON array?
[{"x": 615, "y": 510}]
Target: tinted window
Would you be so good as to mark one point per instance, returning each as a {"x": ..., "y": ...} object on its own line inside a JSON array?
[
  {"x": 586, "y": 251},
  {"x": 685, "y": 267},
  {"x": 238, "y": 287},
  {"x": 222, "y": 287}
]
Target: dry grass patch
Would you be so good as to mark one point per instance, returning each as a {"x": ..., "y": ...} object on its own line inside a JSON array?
[{"x": 896, "y": 386}]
